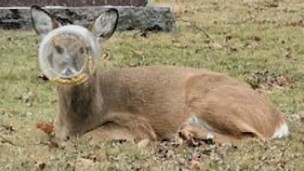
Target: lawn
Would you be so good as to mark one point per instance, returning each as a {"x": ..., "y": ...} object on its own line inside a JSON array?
[{"x": 256, "y": 41}]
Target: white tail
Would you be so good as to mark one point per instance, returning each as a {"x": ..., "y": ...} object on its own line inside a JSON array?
[
  {"x": 282, "y": 131},
  {"x": 152, "y": 102}
]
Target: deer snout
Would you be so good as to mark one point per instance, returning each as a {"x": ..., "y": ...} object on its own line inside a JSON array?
[
  {"x": 67, "y": 72},
  {"x": 68, "y": 67}
]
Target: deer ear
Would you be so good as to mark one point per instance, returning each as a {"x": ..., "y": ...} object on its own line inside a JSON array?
[
  {"x": 42, "y": 21},
  {"x": 105, "y": 25}
]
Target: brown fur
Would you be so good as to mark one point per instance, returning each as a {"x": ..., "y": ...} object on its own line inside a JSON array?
[{"x": 154, "y": 102}]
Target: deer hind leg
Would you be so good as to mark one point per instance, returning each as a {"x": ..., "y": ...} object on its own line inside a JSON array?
[
  {"x": 232, "y": 109},
  {"x": 189, "y": 131},
  {"x": 220, "y": 130},
  {"x": 122, "y": 126}
]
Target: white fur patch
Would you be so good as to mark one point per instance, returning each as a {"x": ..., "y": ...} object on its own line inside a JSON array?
[
  {"x": 194, "y": 121},
  {"x": 210, "y": 135},
  {"x": 281, "y": 132}
]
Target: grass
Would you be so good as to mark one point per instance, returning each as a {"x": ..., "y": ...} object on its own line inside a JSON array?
[{"x": 257, "y": 41}]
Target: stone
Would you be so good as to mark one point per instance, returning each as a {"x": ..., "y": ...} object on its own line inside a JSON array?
[
  {"x": 72, "y": 3},
  {"x": 130, "y": 18}
]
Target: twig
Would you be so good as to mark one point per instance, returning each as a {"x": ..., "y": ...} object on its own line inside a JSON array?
[
  {"x": 10, "y": 128},
  {"x": 200, "y": 29},
  {"x": 76, "y": 157},
  {"x": 5, "y": 140}
]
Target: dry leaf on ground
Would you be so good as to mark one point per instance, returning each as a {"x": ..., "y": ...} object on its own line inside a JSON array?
[{"x": 46, "y": 127}]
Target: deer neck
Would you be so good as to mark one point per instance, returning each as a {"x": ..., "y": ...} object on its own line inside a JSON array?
[{"x": 80, "y": 103}]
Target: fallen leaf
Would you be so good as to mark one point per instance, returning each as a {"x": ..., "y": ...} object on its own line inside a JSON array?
[
  {"x": 228, "y": 37},
  {"x": 302, "y": 119},
  {"x": 91, "y": 157},
  {"x": 119, "y": 141},
  {"x": 138, "y": 52},
  {"x": 42, "y": 77},
  {"x": 5, "y": 140},
  {"x": 28, "y": 98},
  {"x": 40, "y": 165},
  {"x": 46, "y": 127},
  {"x": 295, "y": 23},
  {"x": 170, "y": 153},
  {"x": 50, "y": 143},
  {"x": 164, "y": 151},
  {"x": 215, "y": 46},
  {"x": 256, "y": 38},
  {"x": 233, "y": 49},
  {"x": 106, "y": 56},
  {"x": 195, "y": 164},
  {"x": 141, "y": 33},
  {"x": 8, "y": 128},
  {"x": 85, "y": 161}
]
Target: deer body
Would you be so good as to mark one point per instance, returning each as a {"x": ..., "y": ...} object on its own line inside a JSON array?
[
  {"x": 153, "y": 102},
  {"x": 166, "y": 98}
]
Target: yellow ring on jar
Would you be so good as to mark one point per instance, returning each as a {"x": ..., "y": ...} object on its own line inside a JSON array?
[{"x": 78, "y": 79}]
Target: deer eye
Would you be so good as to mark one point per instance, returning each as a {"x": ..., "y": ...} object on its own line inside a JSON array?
[
  {"x": 81, "y": 50},
  {"x": 88, "y": 49},
  {"x": 59, "y": 49}
]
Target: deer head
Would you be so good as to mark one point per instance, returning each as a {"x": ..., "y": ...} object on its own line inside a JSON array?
[{"x": 68, "y": 53}]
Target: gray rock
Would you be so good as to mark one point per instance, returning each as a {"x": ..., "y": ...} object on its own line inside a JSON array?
[
  {"x": 131, "y": 18},
  {"x": 72, "y": 3}
]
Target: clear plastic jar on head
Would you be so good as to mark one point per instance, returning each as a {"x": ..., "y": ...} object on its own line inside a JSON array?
[{"x": 68, "y": 55}]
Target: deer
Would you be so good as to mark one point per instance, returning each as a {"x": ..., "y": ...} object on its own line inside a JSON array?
[{"x": 154, "y": 102}]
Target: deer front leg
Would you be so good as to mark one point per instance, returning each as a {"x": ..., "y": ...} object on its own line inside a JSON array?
[
  {"x": 110, "y": 132},
  {"x": 124, "y": 126},
  {"x": 61, "y": 132}
]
